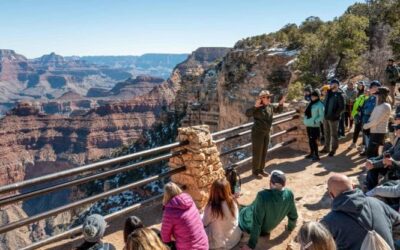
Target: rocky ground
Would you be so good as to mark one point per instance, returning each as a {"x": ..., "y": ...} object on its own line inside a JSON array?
[{"x": 306, "y": 179}]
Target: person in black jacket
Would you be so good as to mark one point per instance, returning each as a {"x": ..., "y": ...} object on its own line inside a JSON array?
[
  {"x": 334, "y": 106},
  {"x": 392, "y": 77},
  {"x": 352, "y": 212}
]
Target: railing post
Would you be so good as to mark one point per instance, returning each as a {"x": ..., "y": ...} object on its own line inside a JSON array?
[
  {"x": 300, "y": 134},
  {"x": 203, "y": 165}
]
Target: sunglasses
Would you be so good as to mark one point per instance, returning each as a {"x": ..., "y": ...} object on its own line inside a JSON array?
[{"x": 265, "y": 97}]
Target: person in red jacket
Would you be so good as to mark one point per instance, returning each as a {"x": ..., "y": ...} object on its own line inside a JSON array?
[{"x": 181, "y": 220}]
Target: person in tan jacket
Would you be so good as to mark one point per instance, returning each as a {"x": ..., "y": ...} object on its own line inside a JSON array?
[{"x": 378, "y": 122}]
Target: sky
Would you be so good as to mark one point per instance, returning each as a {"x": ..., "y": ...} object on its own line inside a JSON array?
[{"x": 134, "y": 27}]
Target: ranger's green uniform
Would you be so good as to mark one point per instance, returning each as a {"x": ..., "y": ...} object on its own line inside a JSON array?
[{"x": 260, "y": 133}]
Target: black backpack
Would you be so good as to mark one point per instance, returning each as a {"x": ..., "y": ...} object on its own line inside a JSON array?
[{"x": 234, "y": 179}]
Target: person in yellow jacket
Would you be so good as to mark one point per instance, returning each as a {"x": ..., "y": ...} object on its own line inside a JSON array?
[{"x": 356, "y": 112}]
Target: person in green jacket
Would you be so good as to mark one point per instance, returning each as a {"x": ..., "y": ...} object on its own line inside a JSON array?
[
  {"x": 356, "y": 113},
  {"x": 269, "y": 208},
  {"x": 313, "y": 117},
  {"x": 262, "y": 112}
]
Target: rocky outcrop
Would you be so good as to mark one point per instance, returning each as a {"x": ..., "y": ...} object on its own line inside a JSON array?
[
  {"x": 140, "y": 85},
  {"x": 218, "y": 93},
  {"x": 244, "y": 73},
  {"x": 17, "y": 238},
  {"x": 188, "y": 75}
]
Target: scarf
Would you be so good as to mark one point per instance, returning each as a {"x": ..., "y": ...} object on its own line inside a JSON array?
[{"x": 308, "y": 109}]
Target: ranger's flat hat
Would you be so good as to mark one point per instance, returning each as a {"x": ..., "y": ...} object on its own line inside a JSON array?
[{"x": 264, "y": 93}]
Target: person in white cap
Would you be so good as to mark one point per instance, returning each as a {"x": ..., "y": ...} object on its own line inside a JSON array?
[{"x": 262, "y": 112}]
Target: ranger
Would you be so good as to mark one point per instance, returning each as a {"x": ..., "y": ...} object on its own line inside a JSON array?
[{"x": 262, "y": 113}]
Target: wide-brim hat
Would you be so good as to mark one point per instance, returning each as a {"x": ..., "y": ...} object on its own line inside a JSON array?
[{"x": 264, "y": 93}]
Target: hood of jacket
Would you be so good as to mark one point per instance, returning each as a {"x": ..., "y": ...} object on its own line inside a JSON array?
[
  {"x": 181, "y": 201},
  {"x": 350, "y": 202}
]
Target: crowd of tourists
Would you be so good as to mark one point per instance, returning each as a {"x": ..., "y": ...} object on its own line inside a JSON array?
[
  {"x": 365, "y": 218},
  {"x": 222, "y": 225}
]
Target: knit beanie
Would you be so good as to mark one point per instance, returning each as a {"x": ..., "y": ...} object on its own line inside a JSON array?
[
  {"x": 278, "y": 177},
  {"x": 94, "y": 228},
  {"x": 334, "y": 81},
  {"x": 308, "y": 88},
  {"x": 316, "y": 93}
]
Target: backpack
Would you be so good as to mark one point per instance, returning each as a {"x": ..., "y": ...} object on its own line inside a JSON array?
[
  {"x": 234, "y": 180},
  {"x": 372, "y": 240}
]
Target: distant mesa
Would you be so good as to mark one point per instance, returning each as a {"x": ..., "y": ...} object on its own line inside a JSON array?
[
  {"x": 210, "y": 54},
  {"x": 52, "y": 59},
  {"x": 97, "y": 92},
  {"x": 70, "y": 95}
]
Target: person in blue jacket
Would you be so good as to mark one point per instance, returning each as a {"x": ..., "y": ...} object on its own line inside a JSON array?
[
  {"x": 313, "y": 116},
  {"x": 367, "y": 109}
]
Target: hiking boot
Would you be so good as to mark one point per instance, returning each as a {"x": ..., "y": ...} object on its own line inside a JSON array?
[
  {"x": 257, "y": 176},
  {"x": 264, "y": 173},
  {"x": 324, "y": 151},
  {"x": 332, "y": 153},
  {"x": 315, "y": 158},
  {"x": 308, "y": 156},
  {"x": 353, "y": 145}
]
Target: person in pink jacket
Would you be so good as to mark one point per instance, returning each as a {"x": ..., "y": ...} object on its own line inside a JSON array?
[{"x": 181, "y": 220}]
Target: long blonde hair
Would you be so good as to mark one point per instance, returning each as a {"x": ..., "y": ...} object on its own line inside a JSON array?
[
  {"x": 144, "y": 239},
  {"x": 170, "y": 191},
  {"x": 314, "y": 236}
]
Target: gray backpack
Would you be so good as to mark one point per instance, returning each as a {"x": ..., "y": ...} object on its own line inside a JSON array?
[{"x": 372, "y": 240}]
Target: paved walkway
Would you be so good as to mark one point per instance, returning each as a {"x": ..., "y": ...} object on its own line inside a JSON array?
[{"x": 305, "y": 178}]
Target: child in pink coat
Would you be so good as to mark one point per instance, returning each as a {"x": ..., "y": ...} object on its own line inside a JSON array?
[{"x": 181, "y": 220}]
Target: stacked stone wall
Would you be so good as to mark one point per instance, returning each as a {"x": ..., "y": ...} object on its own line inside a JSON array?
[{"x": 202, "y": 162}]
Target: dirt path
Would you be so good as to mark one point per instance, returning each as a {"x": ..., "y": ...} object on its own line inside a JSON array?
[{"x": 306, "y": 179}]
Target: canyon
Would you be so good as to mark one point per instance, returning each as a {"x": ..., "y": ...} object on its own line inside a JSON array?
[
  {"x": 212, "y": 86},
  {"x": 51, "y": 76}
]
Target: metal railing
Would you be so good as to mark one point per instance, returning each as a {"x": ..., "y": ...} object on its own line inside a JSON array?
[
  {"x": 87, "y": 168},
  {"x": 95, "y": 167}
]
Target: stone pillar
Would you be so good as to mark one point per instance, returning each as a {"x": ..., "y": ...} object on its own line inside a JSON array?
[
  {"x": 300, "y": 134},
  {"x": 203, "y": 165}
]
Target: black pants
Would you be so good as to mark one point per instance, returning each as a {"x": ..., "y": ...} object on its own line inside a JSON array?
[
  {"x": 373, "y": 177},
  {"x": 321, "y": 128},
  {"x": 341, "y": 130},
  {"x": 313, "y": 135},
  {"x": 347, "y": 116},
  {"x": 357, "y": 130},
  {"x": 375, "y": 140},
  {"x": 366, "y": 137}
]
